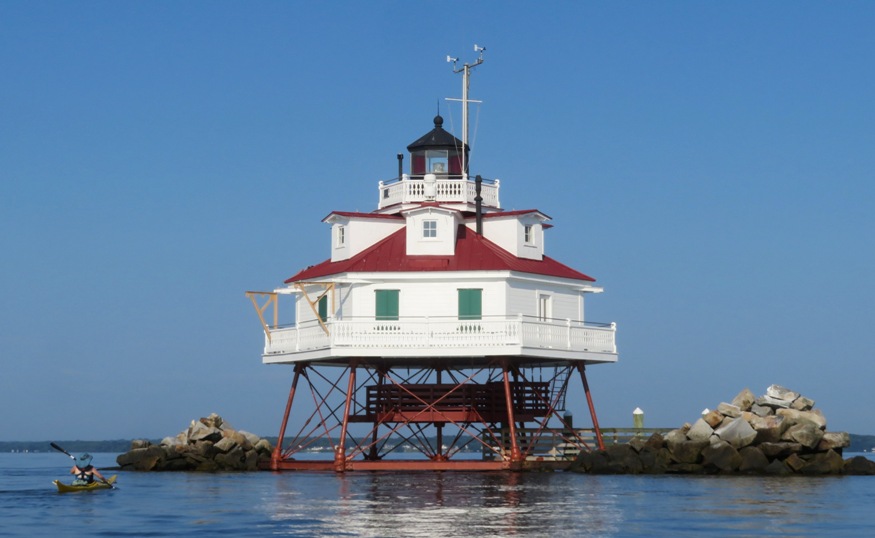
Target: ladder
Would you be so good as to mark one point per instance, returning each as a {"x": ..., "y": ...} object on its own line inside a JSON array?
[{"x": 560, "y": 381}]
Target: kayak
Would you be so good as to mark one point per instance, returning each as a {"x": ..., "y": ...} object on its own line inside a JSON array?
[{"x": 68, "y": 488}]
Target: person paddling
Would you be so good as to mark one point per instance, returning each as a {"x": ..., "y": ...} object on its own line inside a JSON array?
[{"x": 84, "y": 471}]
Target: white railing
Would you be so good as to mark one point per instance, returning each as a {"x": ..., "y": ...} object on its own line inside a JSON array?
[
  {"x": 442, "y": 334},
  {"x": 408, "y": 190}
]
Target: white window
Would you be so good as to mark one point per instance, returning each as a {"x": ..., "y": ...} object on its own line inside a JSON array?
[
  {"x": 529, "y": 234},
  {"x": 429, "y": 229},
  {"x": 341, "y": 236},
  {"x": 544, "y": 307}
]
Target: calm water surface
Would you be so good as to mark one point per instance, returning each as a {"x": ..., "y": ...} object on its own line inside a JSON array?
[{"x": 428, "y": 504}]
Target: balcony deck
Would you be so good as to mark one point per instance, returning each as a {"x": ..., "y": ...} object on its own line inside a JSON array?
[
  {"x": 450, "y": 189},
  {"x": 405, "y": 340}
]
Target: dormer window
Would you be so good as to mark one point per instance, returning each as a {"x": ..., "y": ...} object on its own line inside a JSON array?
[
  {"x": 341, "y": 236},
  {"x": 529, "y": 234},
  {"x": 429, "y": 229}
]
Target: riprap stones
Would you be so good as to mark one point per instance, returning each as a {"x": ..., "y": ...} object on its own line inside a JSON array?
[
  {"x": 208, "y": 444},
  {"x": 779, "y": 433}
]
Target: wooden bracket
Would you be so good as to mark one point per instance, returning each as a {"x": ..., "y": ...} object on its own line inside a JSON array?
[
  {"x": 271, "y": 298},
  {"x": 327, "y": 287}
]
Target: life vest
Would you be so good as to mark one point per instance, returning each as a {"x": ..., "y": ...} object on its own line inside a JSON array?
[{"x": 86, "y": 474}]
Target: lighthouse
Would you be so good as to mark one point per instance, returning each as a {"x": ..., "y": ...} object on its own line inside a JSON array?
[{"x": 438, "y": 334}]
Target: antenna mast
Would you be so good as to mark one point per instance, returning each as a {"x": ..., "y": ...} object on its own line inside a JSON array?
[{"x": 466, "y": 72}]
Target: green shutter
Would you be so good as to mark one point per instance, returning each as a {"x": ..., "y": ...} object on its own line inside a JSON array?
[
  {"x": 323, "y": 308},
  {"x": 387, "y": 304},
  {"x": 470, "y": 304}
]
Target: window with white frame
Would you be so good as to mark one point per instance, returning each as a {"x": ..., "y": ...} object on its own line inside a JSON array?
[
  {"x": 429, "y": 229},
  {"x": 529, "y": 234},
  {"x": 544, "y": 307},
  {"x": 341, "y": 236}
]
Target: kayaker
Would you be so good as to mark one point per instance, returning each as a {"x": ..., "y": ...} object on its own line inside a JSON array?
[{"x": 84, "y": 471}]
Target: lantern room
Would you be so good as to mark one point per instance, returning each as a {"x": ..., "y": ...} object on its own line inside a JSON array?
[{"x": 439, "y": 153}]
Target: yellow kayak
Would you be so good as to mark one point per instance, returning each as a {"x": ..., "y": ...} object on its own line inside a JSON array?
[{"x": 68, "y": 488}]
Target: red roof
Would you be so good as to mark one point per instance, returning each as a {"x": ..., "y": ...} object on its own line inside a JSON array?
[{"x": 473, "y": 253}]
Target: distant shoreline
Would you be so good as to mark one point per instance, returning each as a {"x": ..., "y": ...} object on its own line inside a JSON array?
[
  {"x": 859, "y": 443},
  {"x": 116, "y": 446}
]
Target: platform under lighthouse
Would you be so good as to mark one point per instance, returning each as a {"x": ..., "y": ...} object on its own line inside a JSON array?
[{"x": 438, "y": 335}]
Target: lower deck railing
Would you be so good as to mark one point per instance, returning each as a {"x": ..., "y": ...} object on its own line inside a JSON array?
[{"x": 443, "y": 333}]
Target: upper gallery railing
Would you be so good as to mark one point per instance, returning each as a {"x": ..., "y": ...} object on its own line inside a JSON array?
[
  {"x": 400, "y": 336},
  {"x": 415, "y": 189}
]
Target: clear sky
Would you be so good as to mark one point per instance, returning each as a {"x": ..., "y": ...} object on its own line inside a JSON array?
[{"x": 711, "y": 164}]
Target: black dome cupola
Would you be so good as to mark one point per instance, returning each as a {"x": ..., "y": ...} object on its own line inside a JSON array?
[{"x": 437, "y": 152}]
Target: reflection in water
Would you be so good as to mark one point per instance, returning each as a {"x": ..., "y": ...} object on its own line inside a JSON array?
[
  {"x": 446, "y": 504},
  {"x": 472, "y": 504},
  {"x": 766, "y": 505},
  {"x": 563, "y": 504}
]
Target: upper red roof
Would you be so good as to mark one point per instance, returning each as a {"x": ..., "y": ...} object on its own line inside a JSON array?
[{"x": 473, "y": 253}]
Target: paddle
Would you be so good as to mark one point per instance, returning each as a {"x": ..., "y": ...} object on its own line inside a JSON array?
[{"x": 72, "y": 457}]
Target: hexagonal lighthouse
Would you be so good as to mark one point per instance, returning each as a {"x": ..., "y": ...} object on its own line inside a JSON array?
[{"x": 439, "y": 335}]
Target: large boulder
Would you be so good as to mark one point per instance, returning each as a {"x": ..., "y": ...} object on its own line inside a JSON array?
[
  {"x": 795, "y": 416},
  {"x": 721, "y": 456},
  {"x": 688, "y": 451},
  {"x": 744, "y": 400},
  {"x": 198, "y": 431},
  {"x": 807, "y": 434},
  {"x": 713, "y": 418},
  {"x": 729, "y": 410},
  {"x": 700, "y": 430},
  {"x": 752, "y": 460},
  {"x": 834, "y": 441},
  {"x": 737, "y": 432},
  {"x": 622, "y": 458},
  {"x": 769, "y": 428},
  {"x": 781, "y": 393},
  {"x": 780, "y": 449},
  {"x": 859, "y": 465},
  {"x": 829, "y": 462},
  {"x": 141, "y": 459}
]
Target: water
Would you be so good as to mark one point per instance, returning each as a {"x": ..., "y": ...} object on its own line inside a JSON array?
[{"x": 428, "y": 504}]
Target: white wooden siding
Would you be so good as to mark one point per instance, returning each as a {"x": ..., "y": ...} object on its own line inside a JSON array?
[
  {"x": 360, "y": 234},
  {"x": 423, "y": 299},
  {"x": 509, "y": 234},
  {"x": 523, "y": 298}
]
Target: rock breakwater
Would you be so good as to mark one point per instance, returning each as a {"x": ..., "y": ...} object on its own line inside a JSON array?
[
  {"x": 779, "y": 433},
  {"x": 208, "y": 444}
]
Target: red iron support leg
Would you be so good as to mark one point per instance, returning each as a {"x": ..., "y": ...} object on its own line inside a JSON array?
[
  {"x": 340, "y": 449},
  {"x": 516, "y": 454},
  {"x": 595, "y": 421},
  {"x": 276, "y": 457}
]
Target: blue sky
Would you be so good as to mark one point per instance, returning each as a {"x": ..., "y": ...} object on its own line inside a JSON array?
[{"x": 711, "y": 164}]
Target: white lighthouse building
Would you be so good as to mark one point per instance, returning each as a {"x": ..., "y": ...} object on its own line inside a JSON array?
[{"x": 438, "y": 334}]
